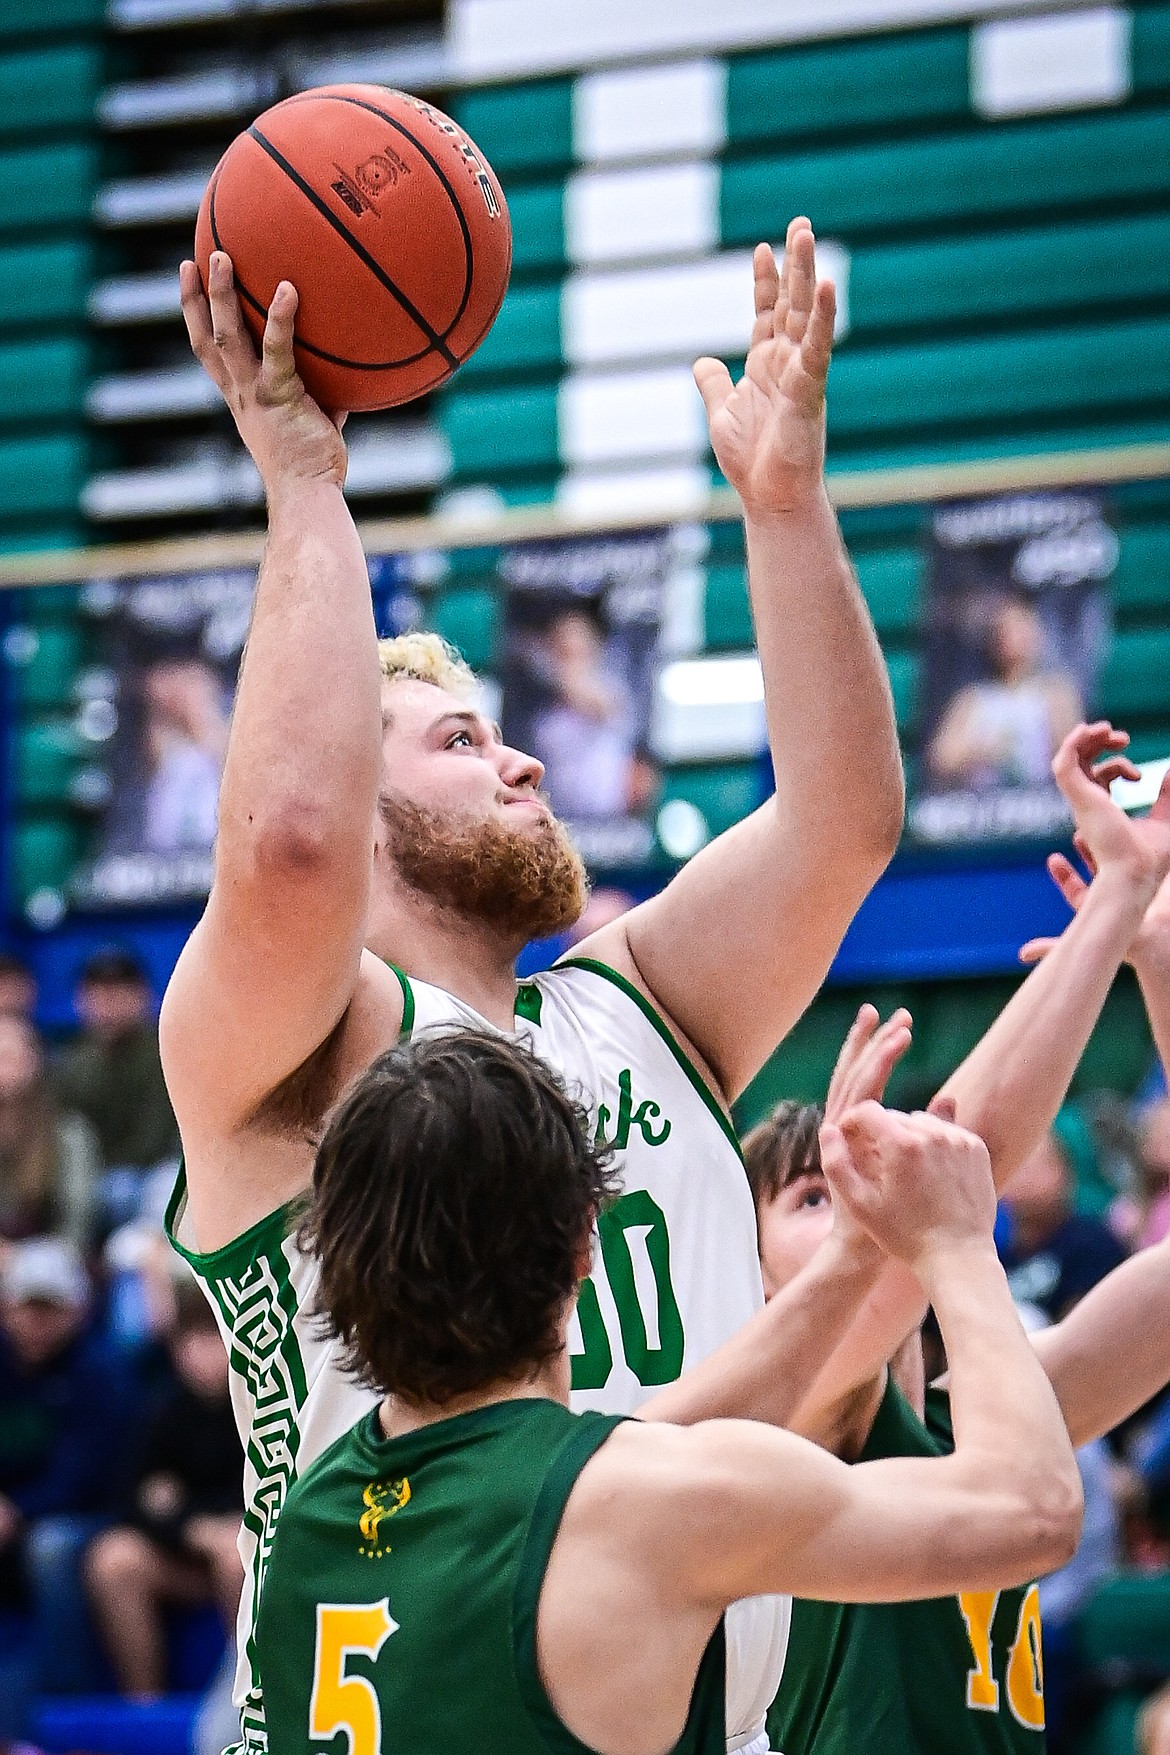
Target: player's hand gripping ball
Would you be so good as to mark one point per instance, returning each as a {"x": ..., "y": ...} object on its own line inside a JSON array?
[{"x": 387, "y": 220}]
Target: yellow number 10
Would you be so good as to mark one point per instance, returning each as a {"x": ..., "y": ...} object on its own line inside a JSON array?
[
  {"x": 348, "y": 1703},
  {"x": 1025, "y": 1666}
]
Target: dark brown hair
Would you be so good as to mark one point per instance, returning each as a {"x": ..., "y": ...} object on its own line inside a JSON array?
[
  {"x": 783, "y": 1147},
  {"x": 453, "y": 1196}
]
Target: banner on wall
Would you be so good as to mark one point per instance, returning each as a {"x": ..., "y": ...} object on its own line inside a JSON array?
[
  {"x": 578, "y": 654},
  {"x": 1015, "y": 631}
]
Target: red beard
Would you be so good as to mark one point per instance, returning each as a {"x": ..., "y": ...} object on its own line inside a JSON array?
[{"x": 524, "y": 885}]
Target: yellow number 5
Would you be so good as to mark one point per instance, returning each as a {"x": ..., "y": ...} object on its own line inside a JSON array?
[{"x": 348, "y": 1703}]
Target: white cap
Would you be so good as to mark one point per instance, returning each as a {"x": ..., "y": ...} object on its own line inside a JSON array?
[{"x": 44, "y": 1267}]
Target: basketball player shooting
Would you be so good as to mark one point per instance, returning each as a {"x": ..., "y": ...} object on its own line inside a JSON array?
[{"x": 383, "y": 857}]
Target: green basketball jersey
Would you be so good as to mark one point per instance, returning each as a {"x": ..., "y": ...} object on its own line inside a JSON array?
[
  {"x": 399, "y": 1605},
  {"x": 953, "y": 1676}
]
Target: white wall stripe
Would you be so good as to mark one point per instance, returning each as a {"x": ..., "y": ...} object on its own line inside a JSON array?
[
  {"x": 647, "y": 112},
  {"x": 1067, "y": 61},
  {"x": 497, "y": 39},
  {"x": 654, "y": 415},
  {"x": 669, "y": 210},
  {"x": 660, "y": 492},
  {"x": 678, "y": 311}
]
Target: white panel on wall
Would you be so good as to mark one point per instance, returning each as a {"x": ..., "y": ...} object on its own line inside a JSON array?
[
  {"x": 665, "y": 492},
  {"x": 683, "y": 310},
  {"x": 1064, "y": 61},
  {"x": 648, "y": 112},
  {"x": 612, "y": 216},
  {"x": 605, "y": 418},
  {"x": 494, "y": 39},
  {"x": 707, "y": 708}
]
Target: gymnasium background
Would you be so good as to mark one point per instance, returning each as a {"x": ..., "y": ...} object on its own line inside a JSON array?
[{"x": 990, "y": 186}]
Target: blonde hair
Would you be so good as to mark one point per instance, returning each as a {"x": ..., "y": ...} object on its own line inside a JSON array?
[{"x": 427, "y": 658}]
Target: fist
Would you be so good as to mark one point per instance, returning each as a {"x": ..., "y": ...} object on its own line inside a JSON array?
[{"x": 916, "y": 1183}]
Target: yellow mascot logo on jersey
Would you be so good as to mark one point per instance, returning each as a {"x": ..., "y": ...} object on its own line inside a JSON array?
[{"x": 381, "y": 1500}]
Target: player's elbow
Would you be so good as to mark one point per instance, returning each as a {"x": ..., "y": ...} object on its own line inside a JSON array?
[
  {"x": 1050, "y": 1519},
  {"x": 289, "y": 837},
  {"x": 886, "y": 816}
]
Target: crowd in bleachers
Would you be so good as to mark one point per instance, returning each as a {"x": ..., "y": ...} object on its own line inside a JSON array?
[{"x": 120, "y": 1467}]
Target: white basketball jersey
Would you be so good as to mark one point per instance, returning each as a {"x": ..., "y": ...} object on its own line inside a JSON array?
[{"x": 675, "y": 1274}]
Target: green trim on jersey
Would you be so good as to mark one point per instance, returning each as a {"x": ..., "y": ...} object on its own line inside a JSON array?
[
  {"x": 262, "y": 1238},
  {"x": 529, "y": 1000},
  {"x": 644, "y": 1006},
  {"x": 949, "y": 1676},
  {"x": 407, "y": 1024}
]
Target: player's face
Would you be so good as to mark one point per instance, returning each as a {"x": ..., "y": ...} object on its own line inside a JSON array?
[
  {"x": 442, "y": 755},
  {"x": 793, "y": 1225}
]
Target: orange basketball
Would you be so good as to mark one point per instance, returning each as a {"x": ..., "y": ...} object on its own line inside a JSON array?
[{"x": 386, "y": 219}]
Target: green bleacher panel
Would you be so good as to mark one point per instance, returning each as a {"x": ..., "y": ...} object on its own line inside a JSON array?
[
  {"x": 42, "y": 379},
  {"x": 1150, "y": 743},
  {"x": 722, "y": 792},
  {"x": 538, "y": 226},
  {"x": 54, "y": 87},
  {"x": 45, "y": 755},
  {"x": 1113, "y": 1730},
  {"x": 1127, "y": 1621},
  {"x": 22, "y": 18},
  {"x": 1120, "y": 1050},
  {"x": 45, "y": 850},
  {"x": 45, "y": 678},
  {"x": 45, "y": 282},
  {"x": 891, "y": 580},
  {"x": 492, "y": 432},
  {"x": 725, "y": 542},
  {"x": 1008, "y": 168},
  {"x": 727, "y": 616},
  {"x": 469, "y": 618},
  {"x": 520, "y": 127},
  {"x": 46, "y": 186},
  {"x": 526, "y": 336},
  {"x": 41, "y": 476},
  {"x": 1049, "y": 268},
  {"x": 1136, "y": 678},
  {"x": 1142, "y": 580},
  {"x": 1149, "y": 48},
  {"x": 803, "y": 1064},
  {"x": 1001, "y": 377},
  {"x": 790, "y": 93},
  {"x": 903, "y": 669}
]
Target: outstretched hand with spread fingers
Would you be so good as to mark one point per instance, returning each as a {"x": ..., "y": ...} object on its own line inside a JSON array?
[
  {"x": 1136, "y": 848},
  {"x": 868, "y": 1056},
  {"x": 768, "y": 431},
  {"x": 291, "y": 440}
]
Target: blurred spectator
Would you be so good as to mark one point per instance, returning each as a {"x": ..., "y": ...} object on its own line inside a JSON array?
[
  {"x": 48, "y": 1159},
  {"x": 112, "y": 1075},
  {"x": 18, "y": 986},
  {"x": 64, "y": 1410},
  {"x": 177, "y": 1543},
  {"x": 602, "y": 907},
  {"x": 1052, "y": 1254}
]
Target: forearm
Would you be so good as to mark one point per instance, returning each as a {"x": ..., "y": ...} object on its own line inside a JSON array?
[
  {"x": 1012, "y": 1083},
  {"x": 764, "y": 1372},
  {"x": 1152, "y": 963},
  {"x": 1005, "y": 1415},
  {"x": 304, "y": 752},
  {"x": 1112, "y": 1352},
  {"x": 892, "y": 1309},
  {"x": 827, "y": 696}
]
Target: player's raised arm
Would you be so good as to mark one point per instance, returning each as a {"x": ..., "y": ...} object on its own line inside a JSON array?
[
  {"x": 271, "y": 967},
  {"x": 737, "y": 945},
  {"x": 764, "y": 1511},
  {"x": 1012, "y": 1083}
]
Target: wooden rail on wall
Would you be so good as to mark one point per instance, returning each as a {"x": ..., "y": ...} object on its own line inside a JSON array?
[{"x": 913, "y": 485}]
